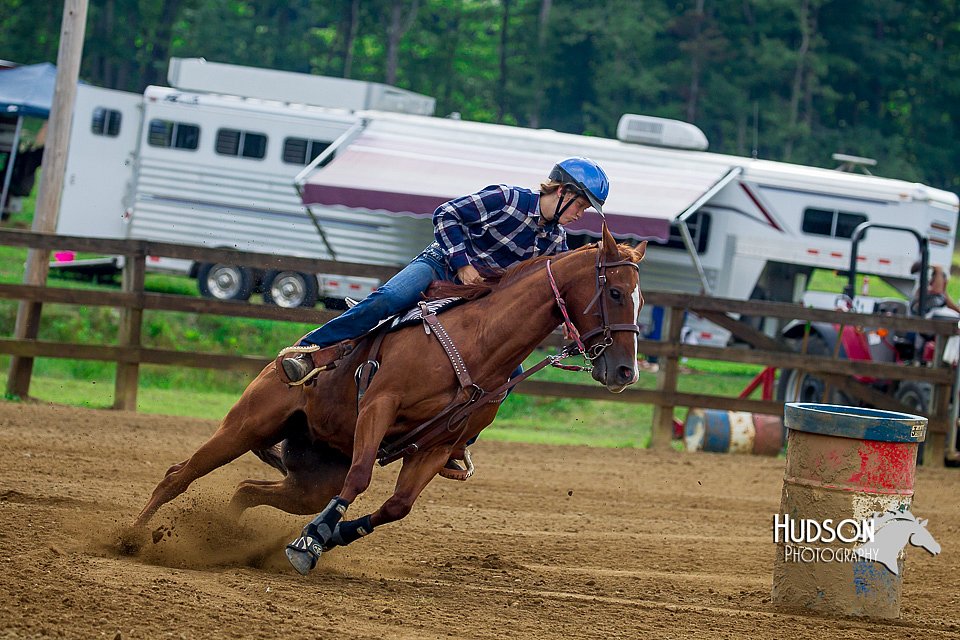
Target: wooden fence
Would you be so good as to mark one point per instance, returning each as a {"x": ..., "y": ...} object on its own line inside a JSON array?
[{"x": 132, "y": 300}]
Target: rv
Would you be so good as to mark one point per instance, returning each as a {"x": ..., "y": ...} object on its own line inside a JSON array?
[
  {"x": 287, "y": 163},
  {"x": 728, "y": 226}
]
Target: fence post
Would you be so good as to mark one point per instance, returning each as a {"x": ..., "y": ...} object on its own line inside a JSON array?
[
  {"x": 662, "y": 432},
  {"x": 938, "y": 421},
  {"x": 131, "y": 320},
  {"x": 934, "y": 448},
  {"x": 69, "y": 53}
]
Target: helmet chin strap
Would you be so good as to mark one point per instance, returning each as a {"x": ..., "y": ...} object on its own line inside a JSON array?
[{"x": 559, "y": 211}]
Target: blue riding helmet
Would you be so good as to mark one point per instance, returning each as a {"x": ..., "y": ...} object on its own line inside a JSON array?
[{"x": 587, "y": 176}]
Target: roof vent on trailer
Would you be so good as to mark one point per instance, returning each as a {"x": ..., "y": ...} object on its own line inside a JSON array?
[
  {"x": 852, "y": 164},
  {"x": 660, "y": 132}
]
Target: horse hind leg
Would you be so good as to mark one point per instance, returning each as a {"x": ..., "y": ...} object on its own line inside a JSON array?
[
  {"x": 176, "y": 467},
  {"x": 252, "y": 423},
  {"x": 314, "y": 474},
  {"x": 220, "y": 449},
  {"x": 273, "y": 456},
  {"x": 286, "y": 495}
]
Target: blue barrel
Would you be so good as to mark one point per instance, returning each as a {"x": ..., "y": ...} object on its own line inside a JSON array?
[
  {"x": 851, "y": 467},
  {"x": 719, "y": 431}
]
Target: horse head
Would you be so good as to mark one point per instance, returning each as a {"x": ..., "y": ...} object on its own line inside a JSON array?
[
  {"x": 609, "y": 304},
  {"x": 921, "y": 537},
  {"x": 893, "y": 530}
]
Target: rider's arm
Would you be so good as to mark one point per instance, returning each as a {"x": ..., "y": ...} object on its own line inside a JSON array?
[{"x": 452, "y": 221}]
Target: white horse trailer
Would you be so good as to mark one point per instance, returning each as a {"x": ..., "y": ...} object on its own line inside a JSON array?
[
  {"x": 728, "y": 226},
  {"x": 217, "y": 170}
]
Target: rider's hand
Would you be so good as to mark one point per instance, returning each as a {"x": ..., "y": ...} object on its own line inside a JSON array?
[{"x": 468, "y": 275}]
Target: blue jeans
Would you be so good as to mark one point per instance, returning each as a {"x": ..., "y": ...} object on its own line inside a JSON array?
[{"x": 400, "y": 293}]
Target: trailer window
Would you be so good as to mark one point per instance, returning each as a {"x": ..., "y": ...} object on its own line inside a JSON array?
[
  {"x": 831, "y": 222},
  {"x": 233, "y": 142},
  {"x": 301, "y": 150},
  {"x": 699, "y": 226},
  {"x": 175, "y": 135},
  {"x": 106, "y": 122}
]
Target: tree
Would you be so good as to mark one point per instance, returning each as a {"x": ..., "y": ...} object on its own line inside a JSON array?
[
  {"x": 400, "y": 23},
  {"x": 868, "y": 77}
]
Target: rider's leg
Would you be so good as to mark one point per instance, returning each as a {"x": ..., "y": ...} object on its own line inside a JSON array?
[{"x": 398, "y": 294}]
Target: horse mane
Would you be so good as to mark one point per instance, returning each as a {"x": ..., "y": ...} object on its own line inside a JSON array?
[{"x": 495, "y": 280}]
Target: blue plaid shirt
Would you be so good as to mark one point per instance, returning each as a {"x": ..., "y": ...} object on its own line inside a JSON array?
[{"x": 495, "y": 228}]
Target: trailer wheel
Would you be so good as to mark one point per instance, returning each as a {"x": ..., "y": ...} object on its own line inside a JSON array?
[
  {"x": 915, "y": 395},
  {"x": 799, "y": 386},
  {"x": 225, "y": 281},
  {"x": 290, "y": 289}
]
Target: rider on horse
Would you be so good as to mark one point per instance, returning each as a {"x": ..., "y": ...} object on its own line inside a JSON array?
[{"x": 476, "y": 234}]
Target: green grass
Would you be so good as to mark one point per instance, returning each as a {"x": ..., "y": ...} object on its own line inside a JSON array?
[
  {"x": 522, "y": 418},
  {"x": 98, "y": 394},
  {"x": 831, "y": 281}
]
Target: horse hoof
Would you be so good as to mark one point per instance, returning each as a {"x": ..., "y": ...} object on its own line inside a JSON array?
[
  {"x": 303, "y": 553},
  {"x": 302, "y": 561}
]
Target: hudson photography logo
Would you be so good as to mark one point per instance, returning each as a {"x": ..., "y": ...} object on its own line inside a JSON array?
[{"x": 879, "y": 538}]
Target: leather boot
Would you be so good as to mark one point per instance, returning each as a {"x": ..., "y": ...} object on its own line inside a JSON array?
[
  {"x": 297, "y": 366},
  {"x": 459, "y": 466}
]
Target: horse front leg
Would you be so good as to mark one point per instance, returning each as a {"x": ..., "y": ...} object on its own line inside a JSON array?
[
  {"x": 372, "y": 424},
  {"x": 415, "y": 475}
]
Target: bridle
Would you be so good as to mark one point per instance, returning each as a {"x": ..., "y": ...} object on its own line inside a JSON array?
[{"x": 595, "y": 350}]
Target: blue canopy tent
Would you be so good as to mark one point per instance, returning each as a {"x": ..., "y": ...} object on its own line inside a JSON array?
[
  {"x": 28, "y": 90},
  {"x": 25, "y": 91}
]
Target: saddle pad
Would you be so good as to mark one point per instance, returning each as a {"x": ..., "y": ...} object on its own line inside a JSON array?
[{"x": 415, "y": 315}]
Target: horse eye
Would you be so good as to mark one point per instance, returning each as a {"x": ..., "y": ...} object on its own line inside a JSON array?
[{"x": 615, "y": 294}]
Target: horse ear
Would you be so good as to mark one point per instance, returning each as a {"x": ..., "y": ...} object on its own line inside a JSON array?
[
  {"x": 610, "y": 251},
  {"x": 923, "y": 523},
  {"x": 640, "y": 251}
]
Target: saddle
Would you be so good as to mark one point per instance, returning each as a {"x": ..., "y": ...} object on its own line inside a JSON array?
[{"x": 417, "y": 314}]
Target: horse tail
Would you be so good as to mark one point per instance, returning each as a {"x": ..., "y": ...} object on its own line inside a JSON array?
[{"x": 273, "y": 457}]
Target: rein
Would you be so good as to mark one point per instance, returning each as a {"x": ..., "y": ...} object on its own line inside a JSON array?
[{"x": 453, "y": 417}]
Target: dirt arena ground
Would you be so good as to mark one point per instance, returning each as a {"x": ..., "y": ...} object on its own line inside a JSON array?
[{"x": 545, "y": 542}]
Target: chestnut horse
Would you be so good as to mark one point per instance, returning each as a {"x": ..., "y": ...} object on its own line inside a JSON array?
[{"x": 326, "y": 443}]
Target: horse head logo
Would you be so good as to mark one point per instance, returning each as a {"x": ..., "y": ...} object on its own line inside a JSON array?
[{"x": 893, "y": 529}]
